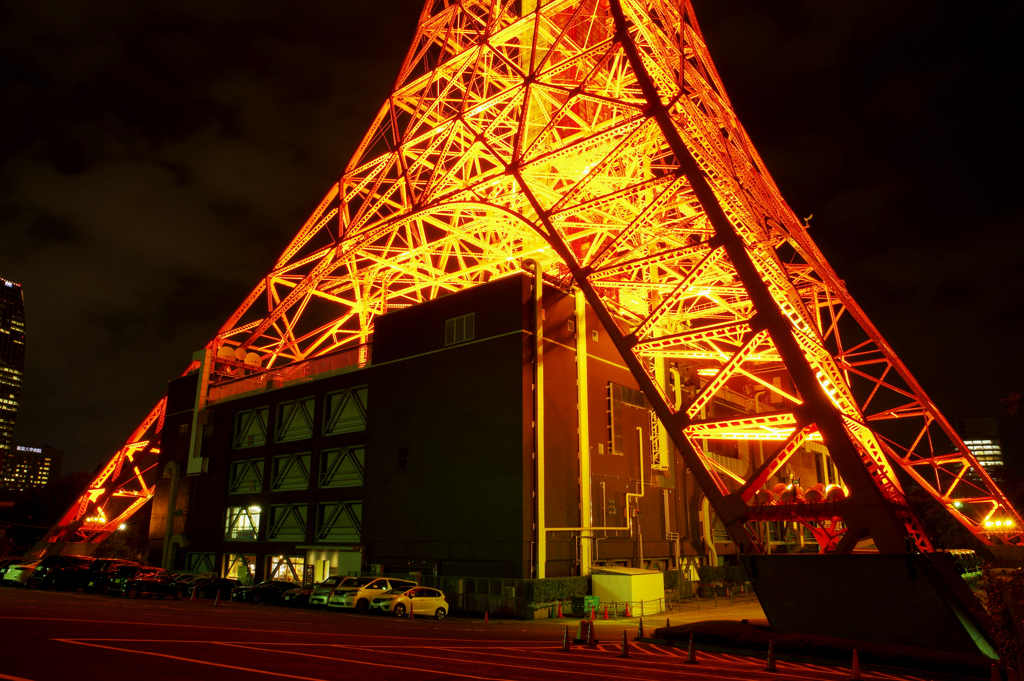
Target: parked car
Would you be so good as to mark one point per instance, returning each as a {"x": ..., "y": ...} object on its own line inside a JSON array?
[
  {"x": 101, "y": 571},
  {"x": 18, "y": 572},
  {"x": 132, "y": 581},
  {"x": 420, "y": 599},
  {"x": 323, "y": 591},
  {"x": 297, "y": 597},
  {"x": 209, "y": 586},
  {"x": 65, "y": 573},
  {"x": 364, "y": 590},
  {"x": 270, "y": 591},
  {"x": 191, "y": 578}
]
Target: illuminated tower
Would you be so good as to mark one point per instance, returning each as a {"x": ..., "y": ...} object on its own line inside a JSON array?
[
  {"x": 12, "y": 359},
  {"x": 595, "y": 138}
]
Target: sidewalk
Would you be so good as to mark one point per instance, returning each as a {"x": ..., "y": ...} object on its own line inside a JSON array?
[{"x": 741, "y": 610}]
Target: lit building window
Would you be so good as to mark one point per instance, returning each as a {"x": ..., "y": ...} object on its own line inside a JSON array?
[{"x": 242, "y": 523}]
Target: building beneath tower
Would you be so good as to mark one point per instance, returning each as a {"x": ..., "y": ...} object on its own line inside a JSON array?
[
  {"x": 422, "y": 454},
  {"x": 12, "y": 360}
]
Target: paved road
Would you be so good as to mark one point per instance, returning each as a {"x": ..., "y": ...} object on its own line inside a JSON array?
[{"x": 58, "y": 636}]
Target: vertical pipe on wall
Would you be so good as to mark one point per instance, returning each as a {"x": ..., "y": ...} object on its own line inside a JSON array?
[
  {"x": 639, "y": 516},
  {"x": 195, "y": 456},
  {"x": 586, "y": 505},
  {"x": 172, "y": 503},
  {"x": 538, "y": 402}
]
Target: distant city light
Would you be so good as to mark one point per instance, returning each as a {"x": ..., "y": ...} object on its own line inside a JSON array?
[{"x": 123, "y": 527}]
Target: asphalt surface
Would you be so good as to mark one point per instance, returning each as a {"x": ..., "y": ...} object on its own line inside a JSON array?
[{"x": 49, "y": 635}]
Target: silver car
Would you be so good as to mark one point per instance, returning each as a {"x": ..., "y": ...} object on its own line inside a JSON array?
[
  {"x": 323, "y": 591},
  {"x": 363, "y": 590}
]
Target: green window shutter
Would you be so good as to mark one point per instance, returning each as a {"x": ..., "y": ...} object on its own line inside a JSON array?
[
  {"x": 251, "y": 428},
  {"x": 245, "y": 476},
  {"x": 342, "y": 467},
  {"x": 295, "y": 420},
  {"x": 287, "y": 522},
  {"x": 290, "y": 471},
  {"x": 339, "y": 521},
  {"x": 346, "y": 411}
]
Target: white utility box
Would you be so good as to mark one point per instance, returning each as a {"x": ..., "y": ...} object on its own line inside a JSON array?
[{"x": 630, "y": 585}]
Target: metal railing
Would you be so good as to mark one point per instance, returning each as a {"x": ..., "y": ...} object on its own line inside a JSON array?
[{"x": 310, "y": 370}]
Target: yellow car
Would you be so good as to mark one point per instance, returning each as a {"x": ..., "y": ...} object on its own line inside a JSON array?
[{"x": 422, "y": 600}]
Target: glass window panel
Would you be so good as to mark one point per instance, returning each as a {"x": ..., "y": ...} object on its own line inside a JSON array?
[{"x": 242, "y": 523}]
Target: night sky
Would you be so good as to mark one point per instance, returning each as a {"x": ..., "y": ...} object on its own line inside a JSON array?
[{"x": 158, "y": 156}]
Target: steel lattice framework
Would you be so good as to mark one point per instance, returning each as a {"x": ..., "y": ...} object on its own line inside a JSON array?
[{"x": 595, "y": 137}]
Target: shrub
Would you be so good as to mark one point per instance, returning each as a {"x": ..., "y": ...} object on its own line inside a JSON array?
[
  {"x": 542, "y": 591},
  {"x": 722, "y": 575}
]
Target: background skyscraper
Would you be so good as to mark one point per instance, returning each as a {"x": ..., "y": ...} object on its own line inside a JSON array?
[
  {"x": 982, "y": 437},
  {"x": 12, "y": 359}
]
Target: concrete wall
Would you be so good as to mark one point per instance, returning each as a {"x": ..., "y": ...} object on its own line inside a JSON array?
[{"x": 869, "y": 597}]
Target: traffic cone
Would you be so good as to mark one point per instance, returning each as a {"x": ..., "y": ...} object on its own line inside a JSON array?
[
  {"x": 592, "y": 613},
  {"x": 606, "y": 611},
  {"x": 565, "y": 640},
  {"x": 486, "y": 620},
  {"x": 640, "y": 631},
  {"x": 691, "y": 653},
  {"x": 626, "y": 613},
  {"x": 770, "y": 667},
  {"x": 591, "y": 641},
  {"x": 667, "y": 623},
  {"x": 856, "y": 667},
  {"x": 559, "y": 609},
  {"x": 192, "y": 598},
  {"x": 1011, "y": 674},
  {"x": 625, "y": 645},
  {"x": 216, "y": 601},
  {"x": 996, "y": 676}
]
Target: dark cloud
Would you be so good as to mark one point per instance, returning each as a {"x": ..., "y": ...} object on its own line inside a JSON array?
[
  {"x": 157, "y": 156},
  {"x": 897, "y": 125}
]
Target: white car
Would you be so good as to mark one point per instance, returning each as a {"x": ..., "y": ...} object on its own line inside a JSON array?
[
  {"x": 420, "y": 600},
  {"x": 18, "y": 572},
  {"x": 363, "y": 590}
]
